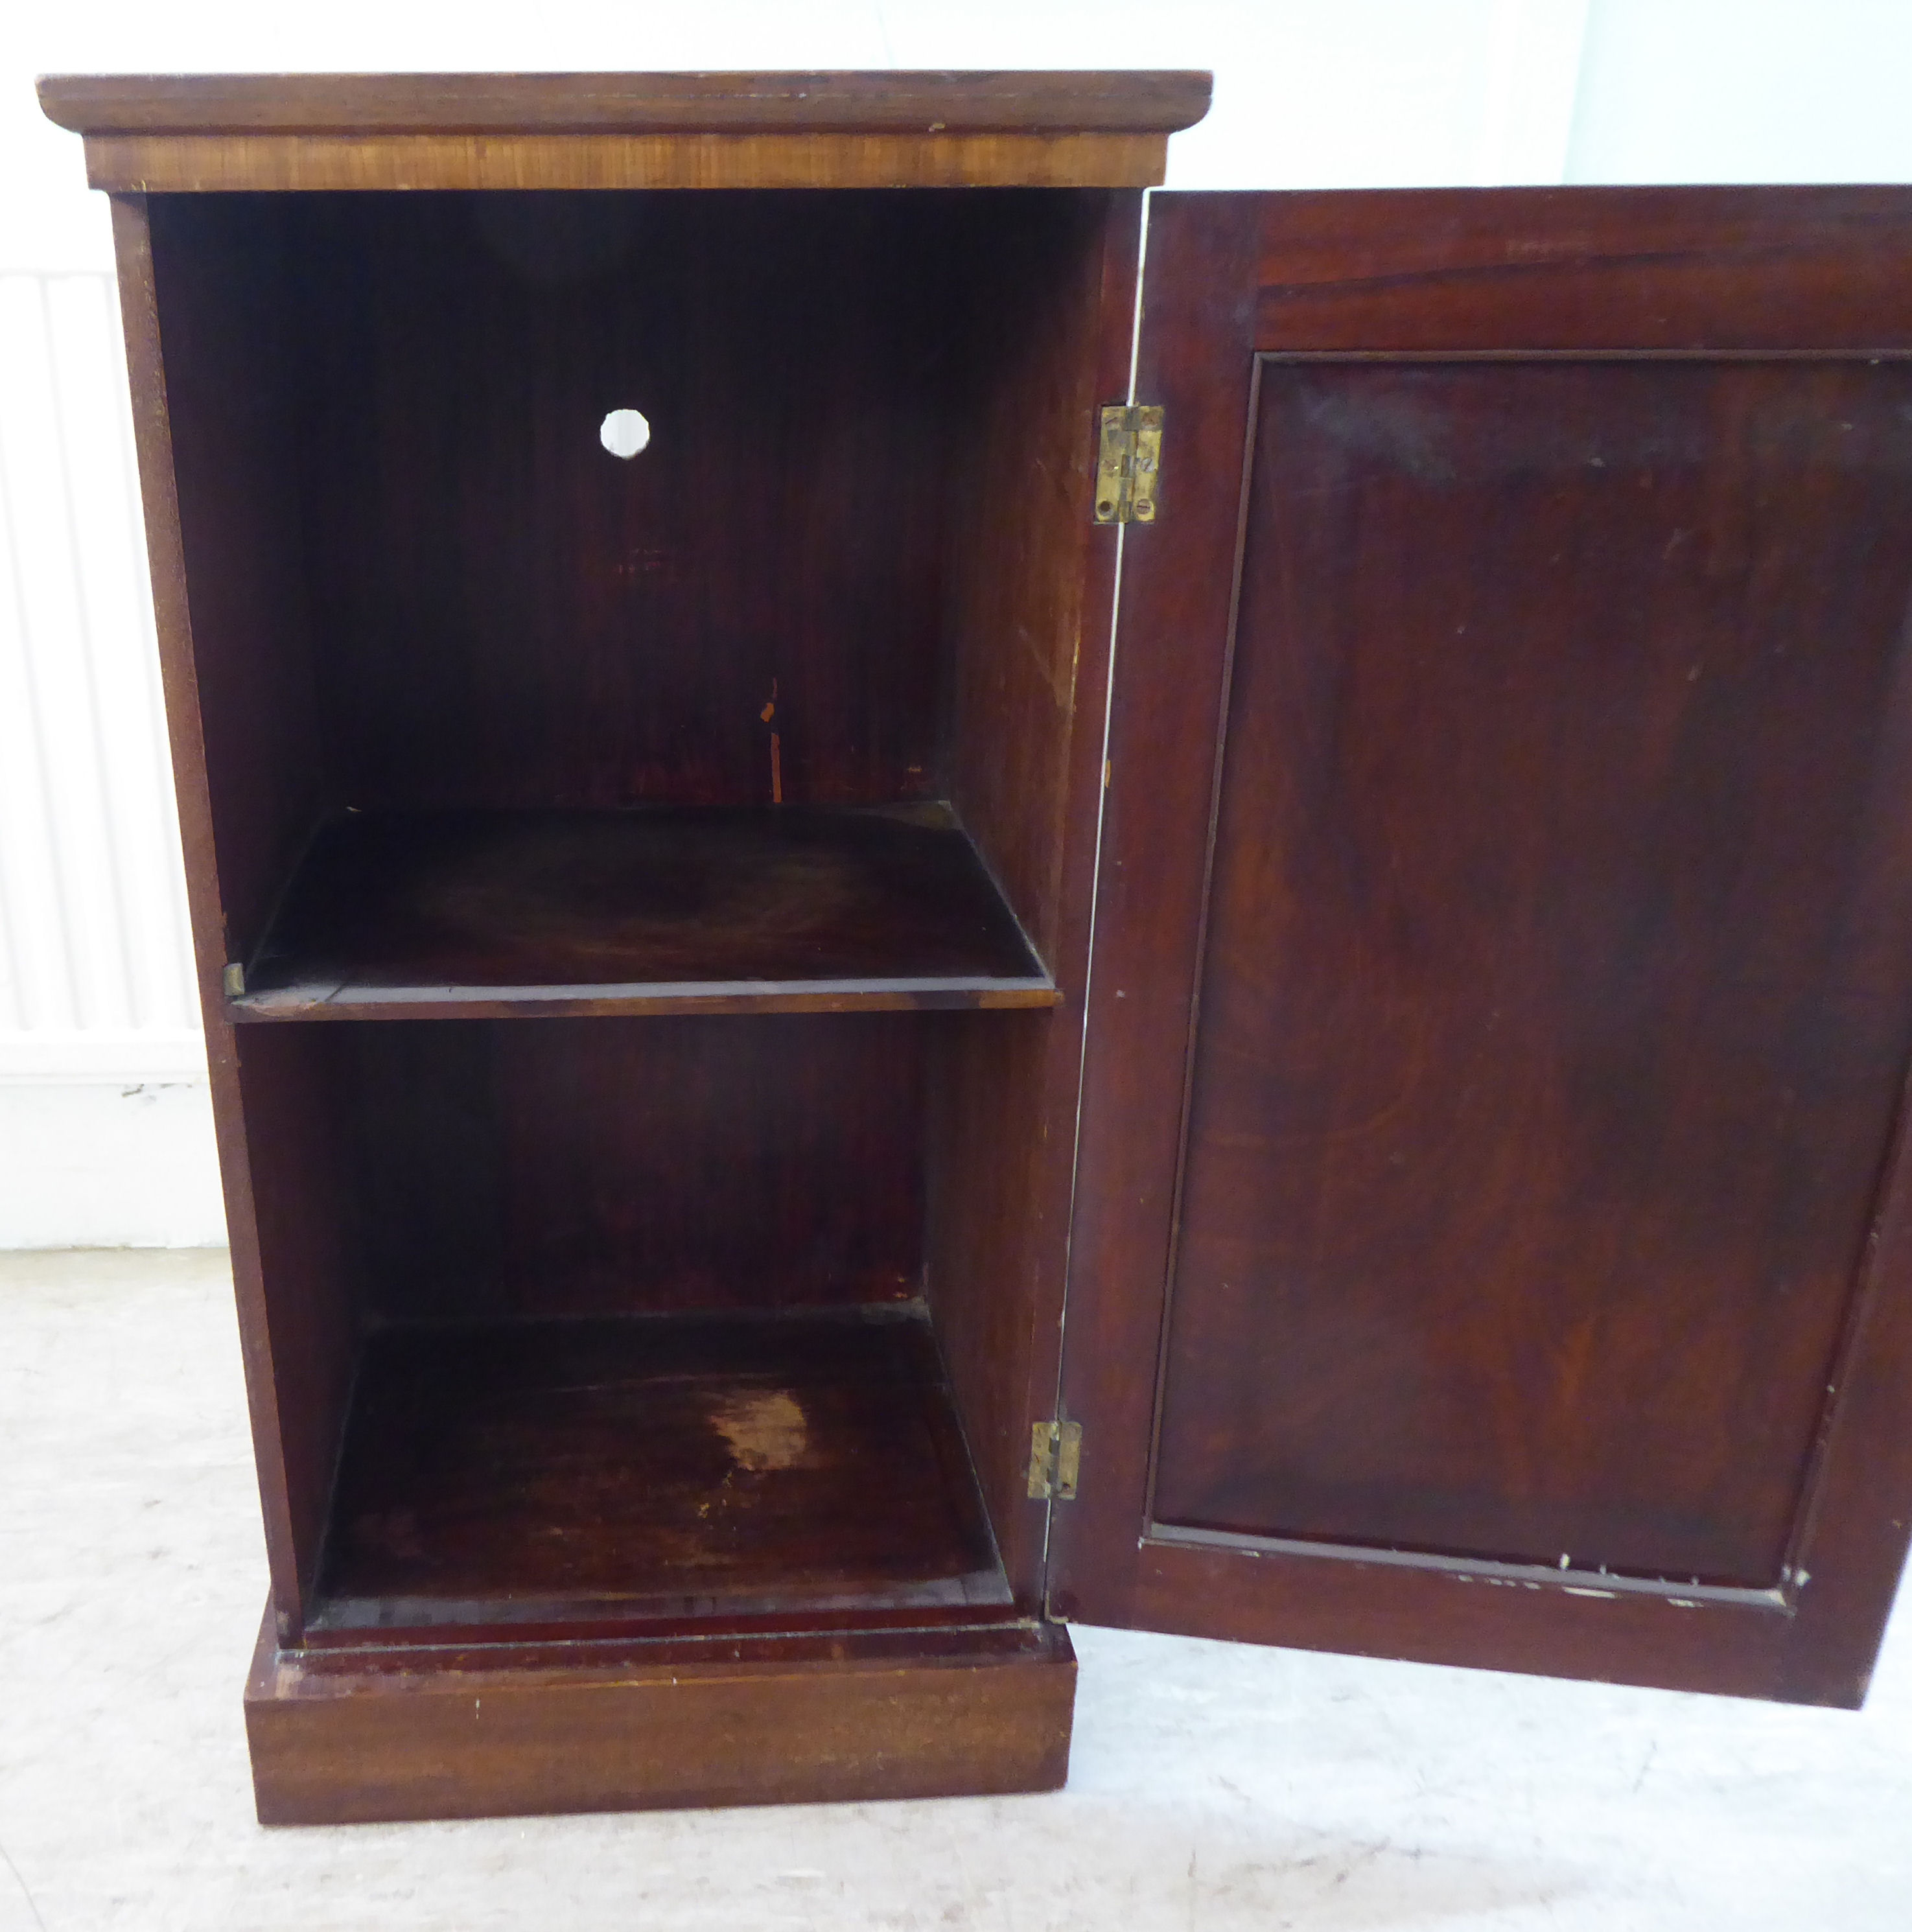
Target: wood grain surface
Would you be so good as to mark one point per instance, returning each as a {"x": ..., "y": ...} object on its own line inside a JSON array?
[
  {"x": 400, "y": 579},
  {"x": 296, "y": 1333},
  {"x": 787, "y": 597},
  {"x": 671, "y": 1467},
  {"x": 1031, "y": 593},
  {"x": 415, "y": 913},
  {"x": 1558, "y": 983},
  {"x": 608, "y": 1166},
  {"x": 871, "y": 523},
  {"x": 383, "y": 164},
  {"x": 1503, "y": 1004},
  {"x": 883, "y": 100},
  {"x": 341, "y": 1738},
  {"x": 194, "y": 133},
  {"x": 748, "y": 612}
]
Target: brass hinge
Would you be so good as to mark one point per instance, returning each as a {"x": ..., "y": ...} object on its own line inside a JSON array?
[
  {"x": 1128, "y": 463},
  {"x": 1055, "y": 1460}
]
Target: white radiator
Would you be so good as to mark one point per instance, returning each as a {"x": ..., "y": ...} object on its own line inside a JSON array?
[
  {"x": 94, "y": 978},
  {"x": 105, "y": 1134}
]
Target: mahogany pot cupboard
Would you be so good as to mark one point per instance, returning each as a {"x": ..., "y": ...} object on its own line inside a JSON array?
[{"x": 894, "y": 952}]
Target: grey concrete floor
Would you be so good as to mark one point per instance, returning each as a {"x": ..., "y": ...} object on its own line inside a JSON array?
[{"x": 1214, "y": 1786}]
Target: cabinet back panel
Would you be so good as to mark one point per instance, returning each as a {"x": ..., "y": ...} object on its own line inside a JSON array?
[
  {"x": 1559, "y": 962},
  {"x": 609, "y": 1166},
  {"x": 750, "y": 609}
]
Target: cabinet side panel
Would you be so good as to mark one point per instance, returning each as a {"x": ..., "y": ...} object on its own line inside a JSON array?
[
  {"x": 291, "y": 1532},
  {"x": 1033, "y": 578},
  {"x": 305, "y": 1323},
  {"x": 997, "y": 1233},
  {"x": 232, "y": 348},
  {"x": 1022, "y": 537}
]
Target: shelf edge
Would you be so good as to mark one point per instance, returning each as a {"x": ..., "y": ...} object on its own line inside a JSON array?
[{"x": 307, "y": 1003}]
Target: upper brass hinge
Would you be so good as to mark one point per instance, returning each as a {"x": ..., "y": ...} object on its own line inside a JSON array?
[
  {"x": 1128, "y": 463},
  {"x": 1055, "y": 1460}
]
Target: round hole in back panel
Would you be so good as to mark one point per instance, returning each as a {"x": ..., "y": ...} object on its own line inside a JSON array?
[{"x": 624, "y": 433}]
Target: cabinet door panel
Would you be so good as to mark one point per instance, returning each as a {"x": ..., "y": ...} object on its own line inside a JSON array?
[{"x": 1503, "y": 987}]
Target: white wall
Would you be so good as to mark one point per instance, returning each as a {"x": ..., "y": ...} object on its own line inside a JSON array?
[
  {"x": 105, "y": 1136},
  {"x": 1753, "y": 91}
]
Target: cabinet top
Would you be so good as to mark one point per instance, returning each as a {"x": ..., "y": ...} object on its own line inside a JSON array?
[
  {"x": 574, "y": 103},
  {"x": 173, "y": 132}
]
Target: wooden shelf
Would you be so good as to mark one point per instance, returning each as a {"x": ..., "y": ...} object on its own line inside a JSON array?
[
  {"x": 659, "y": 1469},
  {"x": 411, "y": 915}
]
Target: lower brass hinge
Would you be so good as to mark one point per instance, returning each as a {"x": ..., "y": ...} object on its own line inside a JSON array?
[
  {"x": 1128, "y": 463},
  {"x": 1055, "y": 1460}
]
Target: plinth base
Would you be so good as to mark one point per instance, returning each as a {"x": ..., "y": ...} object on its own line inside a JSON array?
[{"x": 342, "y": 1736}]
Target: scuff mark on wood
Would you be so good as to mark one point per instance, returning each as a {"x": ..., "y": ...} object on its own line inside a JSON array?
[{"x": 765, "y": 1428}]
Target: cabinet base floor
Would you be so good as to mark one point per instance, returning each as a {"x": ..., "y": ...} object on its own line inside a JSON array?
[{"x": 341, "y": 1737}]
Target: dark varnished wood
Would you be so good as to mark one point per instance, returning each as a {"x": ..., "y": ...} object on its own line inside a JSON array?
[
  {"x": 884, "y": 101},
  {"x": 487, "y": 640},
  {"x": 1047, "y": 320},
  {"x": 1519, "y": 1182},
  {"x": 410, "y": 914},
  {"x": 668, "y": 1467},
  {"x": 513, "y": 617},
  {"x": 854, "y": 575},
  {"x": 1033, "y": 579},
  {"x": 339, "y": 1737},
  {"x": 1648, "y": 269},
  {"x": 299, "y": 1268},
  {"x": 296, "y": 1334},
  {"x": 492, "y": 612},
  {"x": 223, "y": 163},
  {"x": 618, "y": 1166},
  {"x": 227, "y": 394},
  {"x": 1558, "y": 986},
  {"x": 1499, "y": 1010},
  {"x": 206, "y": 132}
]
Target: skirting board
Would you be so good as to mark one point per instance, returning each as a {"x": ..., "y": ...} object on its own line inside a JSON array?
[
  {"x": 93, "y": 1162},
  {"x": 341, "y": 1737}
]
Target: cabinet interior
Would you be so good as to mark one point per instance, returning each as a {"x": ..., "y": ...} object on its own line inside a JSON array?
[{"x": 610, "y": 1283}]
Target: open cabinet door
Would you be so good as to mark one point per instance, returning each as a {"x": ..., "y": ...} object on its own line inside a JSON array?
[{"x": 1494, "y": 1235}]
